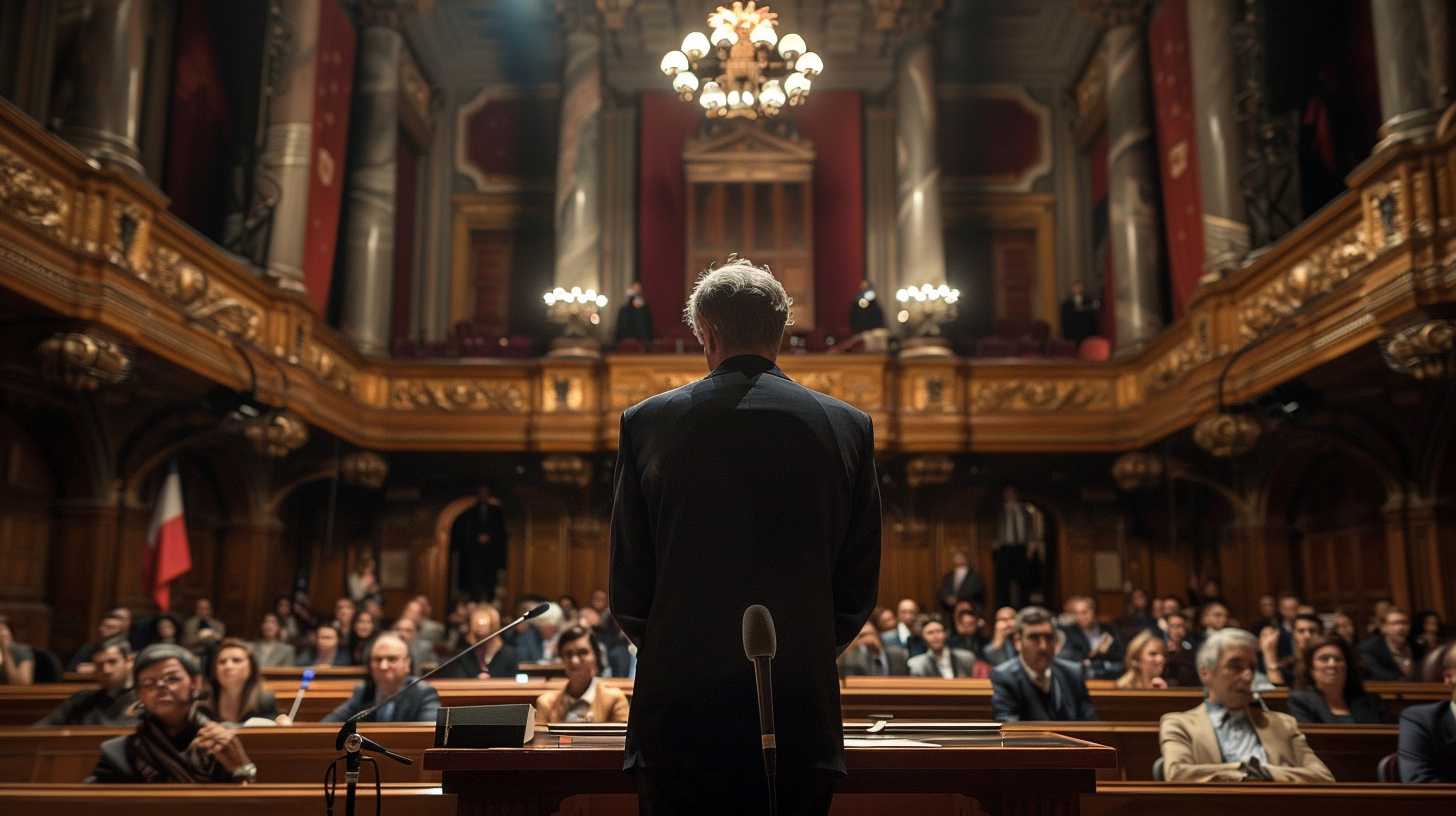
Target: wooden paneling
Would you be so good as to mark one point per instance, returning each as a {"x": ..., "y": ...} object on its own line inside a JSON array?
[{"x": 26, "y": 491}]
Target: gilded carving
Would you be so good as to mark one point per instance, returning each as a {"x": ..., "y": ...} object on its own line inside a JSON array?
[
  {"x": 929, "y": 471},
  {"x": 130, "y": 238},
  {"x": 1137, "y": 470},
  {"x": 31, "y": 196},
  {"x": 567, "y": 470},
  {"x": 1021, "y": 396},
  {"x": 563, "y": 392},
  {"x": 1384, "y": 212},
  {"x": 1226, "y": 435},
  {"x": 274, "y": 434},
  {"x": 1319, "y": 272},
  {"x": 932, "y": 394},
  {"x": 325, "y": 365},
  {"x": 632, "y": 389},
  {"x": 364, "y": 468},
  {"x": 489, "y": 396},
  {"x": 860, "y": 389},
  {"x": 202, "y": 298},
  {"x": 1168, "y": 369},
  {"x": 82, "y": 361},
  {"x": 1425, "y": 351}
]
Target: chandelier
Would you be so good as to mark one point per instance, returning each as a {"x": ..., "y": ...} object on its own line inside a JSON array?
[
  {"x": 744, "y": 76},
  {"x": 578, "y": 311},
  {"x": 926, "y": 307}
]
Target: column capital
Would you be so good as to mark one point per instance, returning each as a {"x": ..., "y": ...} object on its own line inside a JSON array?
[
  {"x": 907, "y": 19},
  {"x": 591, "y": 16},
  {"x": 1115, "y": 13},
  {"x": 384, "y": 13}
]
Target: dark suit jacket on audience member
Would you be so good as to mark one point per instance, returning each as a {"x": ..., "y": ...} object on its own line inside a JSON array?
[
  {"x": 93, "y": 707},
  {"x": 1014, "y": 697},
  {"x": 418, "y": 704},
  {"x": 1106, "y": 666},
  {"x": 856, "y": 662},
  {"x": 913, "y": 646},
  {"x": 1378, "y": 661},
  {"x": 115, "y": 767},
  {"x": 767, "y": 490},
  {"x": 972, "y": 589},
  {"x": 1428, "y": 743},
  {"x": 503, "y": 663},
  {"x": 1309, "y": 706},
  {"x": 1182, "y": 668},
  {"x": 998, "y": 655}
]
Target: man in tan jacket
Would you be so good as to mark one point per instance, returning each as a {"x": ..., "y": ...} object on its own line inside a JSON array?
[
  {"x": 585, "y": 698},
  {"x": 1226, "y": 739}
]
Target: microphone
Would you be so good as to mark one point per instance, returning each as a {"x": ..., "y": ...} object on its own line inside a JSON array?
[{"x": 760, "y": 644}]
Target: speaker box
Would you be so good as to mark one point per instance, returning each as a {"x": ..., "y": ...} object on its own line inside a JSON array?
[{"x": 487, "y": 726}]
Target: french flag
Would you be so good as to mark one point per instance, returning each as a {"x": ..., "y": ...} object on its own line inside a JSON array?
[{"x": 168, "y": 555}]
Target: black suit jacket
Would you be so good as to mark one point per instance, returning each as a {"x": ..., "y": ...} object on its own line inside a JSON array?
[
  {"x": 856, "y": 662},
  {"x": 1105, "y": 666},
  {"x": 1014, "y": 697},
  {"x": 743, "y": 487},
  {"x": 1379, "y": 663},
  {"x": 1428, "y": 743},
  {"x": 503, "y": 663},
  {"x": 1309, "y": 706},
  {"x": 972, "y": 589},
  {"x": 417, "y": 704}
]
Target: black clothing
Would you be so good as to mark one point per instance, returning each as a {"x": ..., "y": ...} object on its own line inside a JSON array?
[
  {"x": 1106, "y": 666},
  {"x": 1379, "y": 662},
  {"x": 866, "y": 317},
  {"x": 662, "y": 792},
  {"x": 93, "y": 707},
  {"x": 1309, "y": 706},
  {"x": 266, "y": 707},
  {"x": 309, "y": 657},
  {"x": 1013, "y": 575},
  {"x": 892, "y": 661},
  {"x": 478, "y": 565},
  {"x": 743, "y": 487},
  {"x": 417, "y": 704},
  {"x": 971, "y": 588},
  {"x": 1079, "y": 318},
  {"x": 971, "y": 643},
  {"x": 1014, "y": 697},
  {"x": 122, "y": 760},
  {"x": 1181, "y": 668},
  {"x": 503, "y": 663},
  {"x": 1000, "y": 654},
  {"x": 634, "y": 322},
  {"x": 1428, "y": 743}
]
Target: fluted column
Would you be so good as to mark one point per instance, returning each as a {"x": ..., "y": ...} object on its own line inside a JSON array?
[
  {"x": 920, "y": 242},
  {"x": 1411, "y": 82},
  {"x": 578, "y": 160},
  {"x": 1132, "y": 181},
  {"x": 370, "y": 195},
  {"x": 1220, "y": 143},
  {"x": 105, "y": 113},
  {"x": 283, "y": 168}
]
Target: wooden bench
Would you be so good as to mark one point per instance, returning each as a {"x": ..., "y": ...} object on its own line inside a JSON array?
[
  {"x": 186, "y": 800},
  {"x": 1163, "y": 799}
]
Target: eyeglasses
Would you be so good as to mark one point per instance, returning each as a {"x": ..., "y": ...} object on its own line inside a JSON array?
[{"x": 171, "y": 681}]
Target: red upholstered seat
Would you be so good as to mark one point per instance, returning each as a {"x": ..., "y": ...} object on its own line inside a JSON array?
[{"x": 1095, "y": 349}]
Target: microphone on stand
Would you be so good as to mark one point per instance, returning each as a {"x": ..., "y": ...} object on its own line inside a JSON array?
[{"x": 760, "y": 644}]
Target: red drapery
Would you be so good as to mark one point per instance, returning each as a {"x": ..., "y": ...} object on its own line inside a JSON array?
[
  {"x": 1177, "y": 148},
  {"x": 333, "y": 87},
  {"x": 199, "y": 124}
]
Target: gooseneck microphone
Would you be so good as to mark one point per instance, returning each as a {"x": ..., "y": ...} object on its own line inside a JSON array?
[{"x": 760, "y": 644}]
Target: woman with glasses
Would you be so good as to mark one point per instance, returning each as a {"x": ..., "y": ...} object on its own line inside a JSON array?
[{"x": 173, "y": 742}]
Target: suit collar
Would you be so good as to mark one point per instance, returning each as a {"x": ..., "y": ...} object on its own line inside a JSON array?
[
  {"x": 1204, "y": 740},
  {"x": 749, "y": 364}
]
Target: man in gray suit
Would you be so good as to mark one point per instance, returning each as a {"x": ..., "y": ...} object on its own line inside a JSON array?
[
  {"x": 940, "y": 660},
  {"x": 868, "y": 656}
]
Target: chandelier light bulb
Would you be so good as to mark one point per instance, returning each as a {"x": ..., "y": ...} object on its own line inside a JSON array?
[
  {"x": 685, "y": 83},
  {"x": 791, "y": 46},
  {"x": 724, "y": 37},
  {"x": 674, "y": 62},
  {"x": 772, "y": 96},
  {"x": 796, "y": 85},
  {"x": 601, "y": 301},
  {"x": 810, "y": 65},
  {"x": 712, "y": 96},
  {"x": 695, "y": 45},
  {"x": 747, "y": 99},
  {"x": 558, "y": 293},
  {"x": 549, "y": 298},
  {"x": 763, "y": 34},
  {"x": 901, "y": 295}
]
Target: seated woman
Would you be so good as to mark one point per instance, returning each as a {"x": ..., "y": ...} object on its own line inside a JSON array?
[
  {"x": 584, "y": 699},
  {"x": 362, "y": 632},
  {"x": 272, "y": 649},
  {"x": 1146, "y": 657},
  {"x": 327, "y": 650},
  {"x": 165, "y": 628},
  {"x": 235, "y": 687},
  {"x": 172, "y": 742},
  {"x": 17, "y": 660},
  {"x": 1328, "y": 690}
]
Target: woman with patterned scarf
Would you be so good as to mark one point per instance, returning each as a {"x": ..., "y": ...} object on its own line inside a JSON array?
[{"x": 172, "y": 742}]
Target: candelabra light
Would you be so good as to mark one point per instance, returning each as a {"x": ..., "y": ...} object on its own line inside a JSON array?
[
  {"x": 579, "y": 311},
  {"x": 925, "y": 307},
  {"x": 743, "y": 68}
]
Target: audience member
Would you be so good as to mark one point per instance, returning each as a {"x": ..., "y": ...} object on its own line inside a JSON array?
[
  {"x": 865, "y": 312},
  {"x": 422, "y": 652},
  {"x": 1328, "y": 688},
  {"x": 1283, "y": 671},
  {"x": 344, "y": 611},
  {"x": 1147, "y": 657},
  {"x": 1137, "y": 616},
  {"x": 634, "y": 318},
  {"x": 496, "y": 658},
  {"x": 1227, "y": 740},
  {"x": 938, "y": 659},
  {"x": 420, "y": 609},
  {"x": 569, "y": 609},
  {"x": 361, "y": 636},
  {"x": 584, "y": 699},
  {"x": 170, "y": 745},
  {"x": 1017, "y": 545},
  {"x": 962, "y": 583},
  {"x": 1080, "y": 313},
  {"x": 967, "y": 625},
  {"x": 111, "y": 626},
  {"x": 111, "y": 701},
  {"x": 1212, "y": 617},
  {"x": 537, "y": 641},
  {"x": 885, "y": 620},
  {"x": 480, "y": 544},
  {"x": 235, "y": 686},
  {"x": 903, "y": 633},
  {"x": 1386, "y": 655},
  {"x": 1342, "y": 625},
  {"x": 1378, "y": 610},
  {"x": 17, "y": 660},
  {"x": 1002, "y": 646},
  {"x": 1428, "y": 734},
  {"x": 1425, "y": 634},
  {"x": 619, "y": 655},
  {"x": 1181, "y": 668},
  {"x": 271, "y": 649},
  {"x": 1268, "y": 613},
  {"x": 1096, "y": 649},
  {"x": 389, "y": 672},
  {"x": 1205, "y": 592},
  {"x": 327, "y": 649},
  {"x": 363, "y": 582},
  {"x": 1038, "y": 686},
  {"x": 164, "y": 628},
  {"x": 288, "y": 625},
  {"x": 202, "y": 630},
  {"x": 868, "y": 656}
]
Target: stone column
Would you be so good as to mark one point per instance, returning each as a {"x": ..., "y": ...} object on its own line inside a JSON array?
[
  {"x": 370, "y": 200},
  {"x": 1132, "y": 173},
  {"x": 578, "y": 160},
  {"x": 1411, "y": 84},
  {"x": 283, "y": 168},
  {"x": 1220, "y": 143},
  {"x": 105, "y": 113},
  {"x": 880, "y": 253},
  {"x": 920, "y": 242}
]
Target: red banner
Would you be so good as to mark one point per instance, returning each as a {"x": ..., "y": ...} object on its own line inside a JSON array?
[
  {"x": 333, "y": 86},
  {"x": 1177, "y": 148}
]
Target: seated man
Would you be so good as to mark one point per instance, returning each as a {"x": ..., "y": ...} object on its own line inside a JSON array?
[
  {"x": 1002, "y": 645},
  {"x": 868, "y": 656},
  {"x": 536, "y": 641},
  {"x": 940, "y": 660},
  {"x": 1428, "y": 734},
  {"x": 494, "y": 658},
  {"x": 1227, "y": 740},
  {"x": 110, "y": 702},
  {"x": 1036, "y": 685},
  {"x": 903, "y": 634},
  {"x": 202, "y": 630},
  {"x": 1097, "y": 649},
  {"x": 583, "y": 699},
  {"x": 1182, "y": 668},
  {"x": 967, "y": 629},
  {"x": 390, "y": 670},
  {"x": 17, "y": 660},
  {"x": 170, "y": 744},
  {"x": 1387, "y": 653},
  {"x": 112, "y": 625}
]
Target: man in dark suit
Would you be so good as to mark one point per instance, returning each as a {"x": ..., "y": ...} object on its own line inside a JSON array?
[
  {"x": 868, "y": 656},
  {"x": 479, "y": 543},
  {"x": 1096, "y": 649},
  {"x": 1428, "y": 734},
  {"x": 961, "y": 584},
  {"x": 390, "y": 669},
  {"x": 940, "y": 659},
  {"x": 1386, "y": 655},
  {"x": 1037, "y": 686},
  {"x": 1018, "y": 551},
  {"x": 770, "y": 489},
  {"x": 1079, "y": 314}
]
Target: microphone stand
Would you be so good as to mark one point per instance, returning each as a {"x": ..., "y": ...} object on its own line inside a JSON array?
[{"x": 353, "y": 744}]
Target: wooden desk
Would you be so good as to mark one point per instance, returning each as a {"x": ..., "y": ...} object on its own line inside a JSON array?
[
  {"x": 1012, "y": 773},
  {"x": 187, "y": 800},
  {"x": 1155, "y": 799}
]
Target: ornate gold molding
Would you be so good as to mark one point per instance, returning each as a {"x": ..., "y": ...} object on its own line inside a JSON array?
[
  {"x": 364, "y": 468},
  {"x": 474, "y": 395},
  {"x": 31, "y": 196},
  {"x": 1425, "y": 351},
  {"x": 82, "y": 361},
  {"x": 1330, "y": 264},
  {"x": 1226, "y": 435},
  {"x": 1042, "y": 396},
  {"x": 1137, "y": 470}
]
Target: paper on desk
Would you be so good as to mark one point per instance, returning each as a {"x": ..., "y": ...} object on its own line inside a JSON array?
[{"x": 887, "y": 743}]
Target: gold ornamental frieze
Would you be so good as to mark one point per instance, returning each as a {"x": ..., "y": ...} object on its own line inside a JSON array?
[
  {"x": 202, "y": 297},
  {"x": 630, "y": 389},
  {"x": 862, "y": 389},
  {"x": 1036, "y": 396},
  {"x": 1169, "y": 369},
  {"x": 1313, "y": 275},
  {"x": 31, "y": 196},
  {"x": 469, "y": 395}
]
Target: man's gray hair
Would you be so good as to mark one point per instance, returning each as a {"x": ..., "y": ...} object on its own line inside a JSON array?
[
  {"x": 1031, "y": 616},
  {"x": 1229, "y": 637},
  {"x": 745, "y": 305}
]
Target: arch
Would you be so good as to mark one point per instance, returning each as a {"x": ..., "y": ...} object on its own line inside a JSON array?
[{"x": 282, "y": 494}]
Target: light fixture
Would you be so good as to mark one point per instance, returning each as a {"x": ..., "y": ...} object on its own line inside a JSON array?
[
  {"x": 925, "y": 307},
  {"x": 578, "y": 310},
  {"x": 736, "y": 65}
]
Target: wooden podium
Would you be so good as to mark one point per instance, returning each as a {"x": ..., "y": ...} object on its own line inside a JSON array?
[{"x": 1015, "y": 773}]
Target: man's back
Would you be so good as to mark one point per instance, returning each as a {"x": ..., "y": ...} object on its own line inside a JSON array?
[{"x": 741, "y": 488}]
